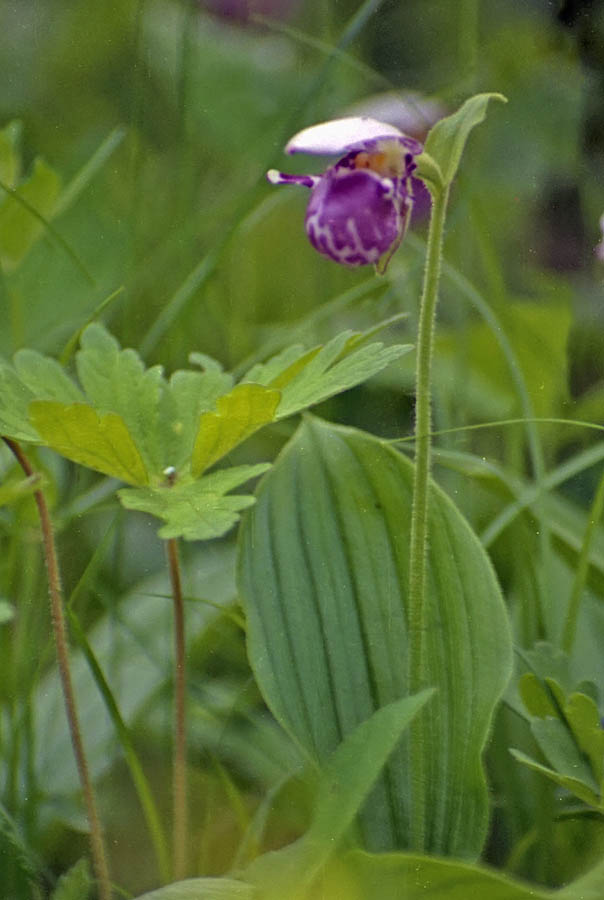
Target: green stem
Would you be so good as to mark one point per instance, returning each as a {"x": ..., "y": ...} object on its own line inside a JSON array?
[
  {"x": 179, "y": 769},
  {"x": 419, "y": 514},
  {"x": 97, "y": 845}
]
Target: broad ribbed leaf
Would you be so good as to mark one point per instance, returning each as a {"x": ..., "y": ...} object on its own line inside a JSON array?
[
  {"x": 323, "y": 573},
  {"x": 79, "y": 433},
  {"x": 197, "y": 510},
  {"x": 203, "y": 889},
  {"x": 401, "y": 876}
]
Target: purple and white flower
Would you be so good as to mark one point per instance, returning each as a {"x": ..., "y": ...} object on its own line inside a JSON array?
[{"x": 359, "y": 208}]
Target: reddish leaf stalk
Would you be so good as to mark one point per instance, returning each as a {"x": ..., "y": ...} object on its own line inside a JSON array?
[
  {"x": 179, "y": 759},
  {"x": 55, "y": 590}
]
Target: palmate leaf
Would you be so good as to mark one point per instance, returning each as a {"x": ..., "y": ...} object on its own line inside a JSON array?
[
  {"x": 191, "y": 394},
  {"x": 131, "y": 423},
  {"x": 240, "y": 413},
  {"x": 162, "y": 417},
  {"x": 116, "y": 381},
  {"x": 567, "y": 730},
  {"x": 15, "y": 398},
  {"x": 323, "y": 573},
  {"x": 197, "y": 510},
  {"x": 99, "y": 441},
  {"x": 306, "y": 377},
  {"x": 45, "y": 377}
]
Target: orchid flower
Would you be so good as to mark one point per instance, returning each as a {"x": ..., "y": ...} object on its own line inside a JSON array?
[{"x": 359, "y": 208}]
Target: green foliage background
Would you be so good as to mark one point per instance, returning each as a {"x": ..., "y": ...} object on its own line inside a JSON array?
[{"x": 145, "y": 131}]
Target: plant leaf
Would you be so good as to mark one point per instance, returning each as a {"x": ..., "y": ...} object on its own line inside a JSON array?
[
  {"x": 306, "y": 377},
  {"x": 19, "y": 229},
  {"x": 446, "y": 141},
  {"x": 15, "y": 398},
  {"x": 323, "y": 571},
  {"x": 240, "y": 413},
  {"x": 10, "y": 157},
  {"x": 101, "y": 442},
  {"x": 203, "y": 889},
  {"x": 45, "y": 377},
  {"x": 589, "y": 887},
  {"x": 346, "y": 780},
  {"x": 197, "y": 510},
  {"x": 116, "y": 381},
  {"x": 559, "y": 748},
  {"x": 584, "y": 719},
  {"x": 191, "y": 394},
  {"x": 13, "y": 490},
  {"x": 574, "y": 785},
  {"x": 393, "y": 876},
  {"x": 535, "y": 696},
  {"x": 74, "y": 884}
]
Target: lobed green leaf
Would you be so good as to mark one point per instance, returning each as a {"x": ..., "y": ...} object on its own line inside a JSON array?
[
  {"x": 197, "y": 510},
  {"x": 240, "y": 413},
  {"x": 99, "y": 441},
  {"x": 116, "y": 381},
  {"x": 306, "y": 377},
  {"x": 15, "y": 398}
]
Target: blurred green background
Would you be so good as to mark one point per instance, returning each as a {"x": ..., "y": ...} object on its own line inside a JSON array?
[{"x": 156, "y": 122}]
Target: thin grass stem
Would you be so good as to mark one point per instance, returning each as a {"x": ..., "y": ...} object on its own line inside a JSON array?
[{"x": 97, "y": 844}]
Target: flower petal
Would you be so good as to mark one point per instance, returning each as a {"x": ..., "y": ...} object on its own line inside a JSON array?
[{"x": 340, "y": 135}]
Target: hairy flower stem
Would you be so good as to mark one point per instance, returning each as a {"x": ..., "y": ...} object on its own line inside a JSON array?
[
  {"x": 419, "y": 515},
  {"x": 179, "y": 759},
  {"x": 97, "y": 845}
]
